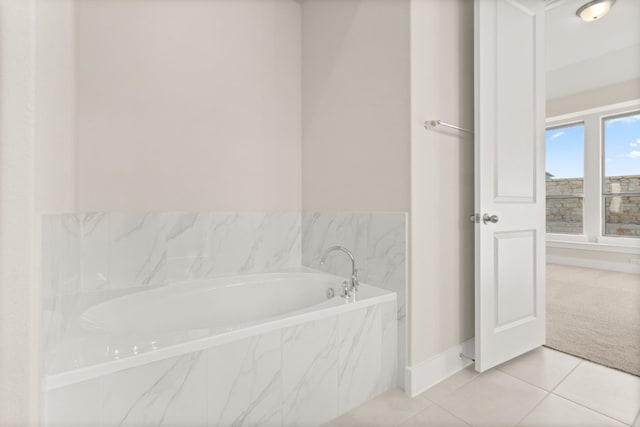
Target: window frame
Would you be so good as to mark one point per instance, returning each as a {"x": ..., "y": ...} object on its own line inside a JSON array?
[
  {"x": 561, "y": 237},
  {"x": 593, "y": 191}
]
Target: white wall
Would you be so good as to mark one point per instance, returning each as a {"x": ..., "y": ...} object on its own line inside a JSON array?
[
  {"x": 18, "y": 287},
  {"x": 355, "y": 123},
  {"x": 441, "y": 292},
  {"x": 600, "y": 97},
  {"x": 188, "y": 105},
  {"x": 55, "y": 106}
]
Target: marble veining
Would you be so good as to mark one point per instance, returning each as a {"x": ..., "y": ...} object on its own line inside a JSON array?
[
  {"x": 301, "y": 375},
  {"x": 310, "y": 372},
  {"x": 169, "y": 392},
  {"x": 390, "y": 352},
  {"x": 359, "y": 360},
  {"x": 379, "y": 243},
  {"x": 137, "y": 249},
  {"x": 245, "y": 382},
  {"x": 94, "y": 244}
]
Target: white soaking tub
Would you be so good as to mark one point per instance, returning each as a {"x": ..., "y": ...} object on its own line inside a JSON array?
[{"x": 267, "y": 349}]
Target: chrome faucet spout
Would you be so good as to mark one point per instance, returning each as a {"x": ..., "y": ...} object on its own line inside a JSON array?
[
  {"x": 342, "y": 249},
  {"x": 353, "y": 286}
]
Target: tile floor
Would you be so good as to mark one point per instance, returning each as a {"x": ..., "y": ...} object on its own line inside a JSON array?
[{"x": 542, "y": 388}]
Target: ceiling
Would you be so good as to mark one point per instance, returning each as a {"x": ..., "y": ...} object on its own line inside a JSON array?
[{"x": 588, "y": 55}]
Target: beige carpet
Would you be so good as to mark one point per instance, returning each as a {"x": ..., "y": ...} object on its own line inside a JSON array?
[{"x": 595, "y": 314}]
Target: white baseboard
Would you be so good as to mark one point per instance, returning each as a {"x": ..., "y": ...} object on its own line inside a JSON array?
[
  {"x": 592, "y": 263},
  {"x": 426, "y": 374}
]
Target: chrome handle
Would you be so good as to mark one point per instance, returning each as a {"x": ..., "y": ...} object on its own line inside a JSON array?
[{"x": 492, "y": 219}]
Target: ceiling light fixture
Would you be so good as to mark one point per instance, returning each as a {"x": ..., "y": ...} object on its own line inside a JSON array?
[{"x": 594, "y": 10}]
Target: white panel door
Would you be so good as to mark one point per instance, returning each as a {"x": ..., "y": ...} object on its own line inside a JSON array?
[{"x": 509, "y": 179}]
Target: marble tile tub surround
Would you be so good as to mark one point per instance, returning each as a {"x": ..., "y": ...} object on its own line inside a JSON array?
[
  {"x": 305, "y": 374},
  {"x": 93, "y": 257},
  {"x": 378, "y": 241}
]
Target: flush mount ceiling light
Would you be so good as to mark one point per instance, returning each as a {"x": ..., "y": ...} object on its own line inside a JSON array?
[{"x": 594, "y": 10}]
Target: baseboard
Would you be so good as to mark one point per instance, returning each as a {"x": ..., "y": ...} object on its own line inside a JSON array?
[
  {"x": 438, "y": 368},
  {"x": 592, "y": 263}
]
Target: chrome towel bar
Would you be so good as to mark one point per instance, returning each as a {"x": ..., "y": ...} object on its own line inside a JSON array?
[{"x": 430, "y": 124}]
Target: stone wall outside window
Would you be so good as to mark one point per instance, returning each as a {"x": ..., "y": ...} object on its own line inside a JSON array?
[{"x": 622, "y": 213}]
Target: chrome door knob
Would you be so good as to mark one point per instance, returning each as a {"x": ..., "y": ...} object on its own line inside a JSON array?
[{"x": 487, "y": 218}]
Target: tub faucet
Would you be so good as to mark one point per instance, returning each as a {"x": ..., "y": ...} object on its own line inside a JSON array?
[{"x": 353, "y": 286}]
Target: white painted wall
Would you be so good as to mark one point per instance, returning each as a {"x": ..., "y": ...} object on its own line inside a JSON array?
[
  {"x": 55, "y": 81},
  {"x": 355, "y": 122},
  {"x": 595, "y": 98},
  {"x": 624, "y": 259},
  {"x": 442, "y": 263},
  {"x": 188, "y": 105},
  {"x": 19, "y": 374}
]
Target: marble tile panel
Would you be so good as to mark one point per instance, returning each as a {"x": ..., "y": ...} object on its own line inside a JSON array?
[
  {"x": 359, "y": 357},
  {"x": 168, "y": 392},
  {"x": 276, "y": 243},
  {"x": 230, "y": 238},
  {"x": 389, "y": 329},
  {"x": 69, "y": 254},
  {"x": 137, "y": 249},
  {"x": 386, "y": 254},
  {"x": 245, "y": 382},
  {"x": 321, "y": 230},
  {"x": 94, "y": 249},
  {"x": 187, "y": 234},
  {"x": 76, "y": 405},
  {"x": 310, "y": 373}
]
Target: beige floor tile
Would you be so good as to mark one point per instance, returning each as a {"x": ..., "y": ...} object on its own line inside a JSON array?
[
  {"x": 555, "y": 411},
  {"x": 388, "y": 409},
  {"x": 542, "y": 367},
  {"x": 493, "y": 399},
  {"x": 637, "y": 424},
  {"x": 610, "y": 392},
  {"x": 434, "y": 416},
  {"x": 441, "y": 390}
]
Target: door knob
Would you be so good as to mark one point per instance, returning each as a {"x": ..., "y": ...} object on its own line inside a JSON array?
[{"x": 492, "y": 219}]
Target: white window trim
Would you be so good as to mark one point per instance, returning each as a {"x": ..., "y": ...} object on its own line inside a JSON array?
[
  {"x": 596, "y": 247},
  {"x": 593, "y": 173}
]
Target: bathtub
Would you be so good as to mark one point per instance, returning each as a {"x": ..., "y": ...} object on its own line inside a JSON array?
[{"x": 265, "y": 349}]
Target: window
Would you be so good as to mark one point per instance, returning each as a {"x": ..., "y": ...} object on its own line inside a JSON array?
[
  {"x": 593, "y": 176},
  {"x": 565, "y": 179},
  {"x": 621, "y": 176}
]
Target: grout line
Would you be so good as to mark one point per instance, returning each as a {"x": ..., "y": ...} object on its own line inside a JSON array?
[
  {"x": 533, "y": 409},
  {"x": 452, "y": 414},
  {"x": 453, "y": 390},
  {"x": 413, "y": 414},
  {"x": 527, "y": 382},
  {"x": 566, "y": 376},
  {"x": 581, "y": 404},
  {"x": 592, "y": 409},
  {"x": 549, "y": 392}
]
